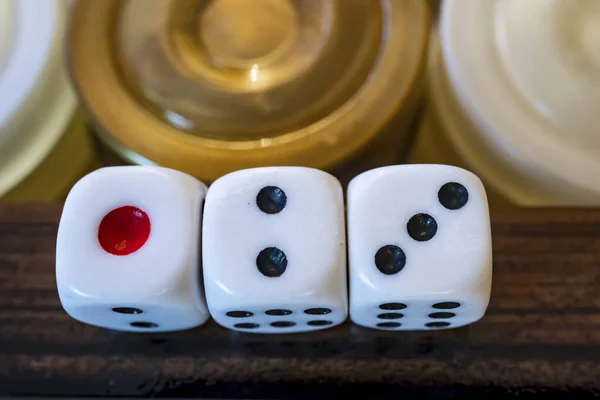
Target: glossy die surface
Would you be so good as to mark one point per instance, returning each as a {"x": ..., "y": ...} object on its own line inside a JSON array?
[
  {"x": 419, "y": 247},
  {"x": 127, "y": 254},
  {"x": 275, "y": 251}
]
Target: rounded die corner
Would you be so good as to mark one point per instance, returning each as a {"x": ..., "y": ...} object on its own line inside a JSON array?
[
  {"x": 369, "y": 178},
  {"x": 181, "y": 177},
  {"x": 359, "y": 179},
  {"x": 81, "y": 188},
  {"x": 319, "y": 174}
]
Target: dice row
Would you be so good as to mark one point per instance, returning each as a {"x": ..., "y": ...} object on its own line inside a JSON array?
[{"x": 263, "y": 250}]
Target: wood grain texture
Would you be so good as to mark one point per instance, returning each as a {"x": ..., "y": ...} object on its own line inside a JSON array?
[{"x": 541, "y": 334}]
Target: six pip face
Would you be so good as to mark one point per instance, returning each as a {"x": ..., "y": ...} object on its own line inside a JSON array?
[
  {"x": 420, "y": 248},
  {"x": 275, "y": 251}
]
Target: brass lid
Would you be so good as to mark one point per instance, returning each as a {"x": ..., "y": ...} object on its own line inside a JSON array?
[{"x": 212, "y": 86}]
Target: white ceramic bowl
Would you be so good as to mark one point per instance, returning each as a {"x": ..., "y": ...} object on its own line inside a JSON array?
[
  {"x": 516, "y": 86},
  {"x": 36, "y": 101}
]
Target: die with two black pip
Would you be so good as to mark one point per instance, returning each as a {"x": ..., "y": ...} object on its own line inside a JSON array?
[{"x": 273, "y": 248}]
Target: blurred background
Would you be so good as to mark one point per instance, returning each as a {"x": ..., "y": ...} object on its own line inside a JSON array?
[{"x": 509, "y": 89}]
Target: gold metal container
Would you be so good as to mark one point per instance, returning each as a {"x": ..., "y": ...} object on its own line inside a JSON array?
[{"x": 213, "y": 86}]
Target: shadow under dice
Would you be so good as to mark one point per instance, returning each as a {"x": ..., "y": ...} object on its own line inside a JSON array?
[
  {"x": 274, "y": 250},
  {"x": 420, "y": 248},
  {"x": 127, "y": 255}
]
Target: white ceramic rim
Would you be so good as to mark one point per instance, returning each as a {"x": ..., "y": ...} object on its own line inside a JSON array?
[
  {"x": 448, "y": 115},
  {"x": 34, "y": 116},
  {"x": 6, "y": 33},
  {"x": 496, "y": 109}
]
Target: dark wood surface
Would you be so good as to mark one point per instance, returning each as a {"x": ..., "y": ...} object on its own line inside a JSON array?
[{"x": 540, "y": 336}]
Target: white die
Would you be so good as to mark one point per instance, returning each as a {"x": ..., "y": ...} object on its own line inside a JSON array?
[
  {"x": 155, "y": 288},
  {"x": 304, "y": 228},
  {"x": 446, "y": 279}
]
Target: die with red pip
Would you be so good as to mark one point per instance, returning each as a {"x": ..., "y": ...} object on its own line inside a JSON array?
[
  {"x": 128, "y": 253},
  {"x": 129, "y": 257}
]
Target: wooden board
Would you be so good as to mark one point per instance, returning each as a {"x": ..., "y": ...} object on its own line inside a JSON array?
[{"x": 541, "y": 334}]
